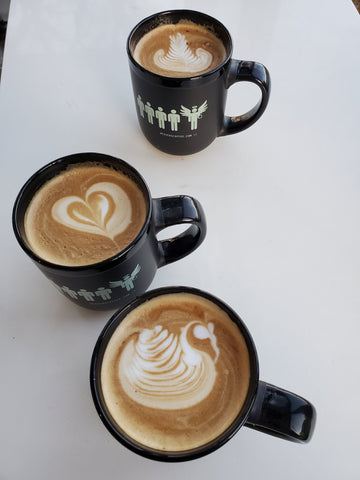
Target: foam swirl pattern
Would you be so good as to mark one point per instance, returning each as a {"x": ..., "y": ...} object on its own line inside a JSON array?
[
  {"x": 175, "y": 372},
  {"x": 180, "y": 57},
  {"x": 163, "y": 370}
]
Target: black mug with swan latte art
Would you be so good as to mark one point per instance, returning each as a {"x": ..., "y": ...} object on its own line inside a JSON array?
[{"x": 174, "y": 375}]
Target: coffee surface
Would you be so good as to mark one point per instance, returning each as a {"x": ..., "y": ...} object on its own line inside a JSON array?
[
  {"x": 183, "y": 49},
  {"x": 84, "y": 215},
  {"x": 176, "y": 372}
]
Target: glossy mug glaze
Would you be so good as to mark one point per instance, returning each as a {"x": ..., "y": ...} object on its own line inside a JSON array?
[
  {"x": 174, "y": 375},
  {"x": 181, "y": 68},
  {"x": 72, "y": 218}
]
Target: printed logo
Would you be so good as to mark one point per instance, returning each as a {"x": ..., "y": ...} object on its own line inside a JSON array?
[
  {"x": 102, "y": 293},
  {"x": 194, "y": 114},
  {"x": 127, "y": 281},
  {"x": 172, "y": 119}
]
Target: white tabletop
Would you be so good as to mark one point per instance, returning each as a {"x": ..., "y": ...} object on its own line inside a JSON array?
[{"x": 283, "y": 245}]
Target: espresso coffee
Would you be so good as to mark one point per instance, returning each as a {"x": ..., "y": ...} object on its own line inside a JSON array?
[
  {"x": 175, "y": 373},
  {"x": 184, "y": 49},
  {"x": 84, "y": 215}
]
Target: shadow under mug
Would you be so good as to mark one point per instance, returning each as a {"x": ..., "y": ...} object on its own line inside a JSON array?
[
  {"x": 266, "y": 408},
  {"x": 182, "y": 116},
  {"x": 112, "y": 283}
]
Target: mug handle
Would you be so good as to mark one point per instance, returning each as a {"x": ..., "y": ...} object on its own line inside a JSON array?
[
  {"x": 180, "y": 209},
  {"x": 282, "y": 414},
  {"x": 247, "y": 71}
]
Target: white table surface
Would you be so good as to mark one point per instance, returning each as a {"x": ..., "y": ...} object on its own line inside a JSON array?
[{"x": 283, "y": 245}]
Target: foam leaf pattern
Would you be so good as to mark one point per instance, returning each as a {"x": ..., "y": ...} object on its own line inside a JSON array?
[{"x": 180, "y": 57}]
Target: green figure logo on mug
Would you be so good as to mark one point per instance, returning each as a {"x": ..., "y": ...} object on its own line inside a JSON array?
[
  {"x": 181, "y": 68},
  {"x": 172, "y": 119}
]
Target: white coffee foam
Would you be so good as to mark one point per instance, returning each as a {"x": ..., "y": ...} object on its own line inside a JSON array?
[
  {"x": 162, "y": 370},
  {"x": 107, "y": 206},
  {"x": 180, "y": 58}
]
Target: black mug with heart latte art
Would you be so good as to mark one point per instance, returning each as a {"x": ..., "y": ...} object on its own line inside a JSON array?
[{"x": 88, "y": 221}]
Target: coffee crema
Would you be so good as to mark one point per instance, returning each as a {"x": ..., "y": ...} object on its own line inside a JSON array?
[
  {"x": 84, "y": 215},
  {"x": 175, "y": 372},
  {"x": 183, "y": 49}
]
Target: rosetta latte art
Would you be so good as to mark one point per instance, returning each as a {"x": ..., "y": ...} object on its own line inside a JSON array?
[
  {"x": 106, "y": 210},
  {"x": 163, "y": 370},
  {"x": 180, "y": 58}
]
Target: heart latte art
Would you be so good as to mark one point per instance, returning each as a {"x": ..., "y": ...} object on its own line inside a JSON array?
[
  {"x": 84, "y": 215},
  {"x": 106, "y": 210},
  {"x": 179, "y": 50},
  {"x": 175, "y": 372}
]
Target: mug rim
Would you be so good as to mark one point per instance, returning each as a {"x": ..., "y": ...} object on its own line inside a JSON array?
[
  {"x": 59, "y": 165},
  {"x": 115, "y": 429},
  {"x": 184, "y": 11}
]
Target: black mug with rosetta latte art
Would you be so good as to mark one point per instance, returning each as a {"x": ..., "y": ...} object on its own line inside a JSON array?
[
  {"x": 181, "y": 68},
  {"x": 88, "y": 221},
  {"x": 175, "y": 374}
]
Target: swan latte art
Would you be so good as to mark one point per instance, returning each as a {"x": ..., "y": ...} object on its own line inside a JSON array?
[
  {"x": 84, "y": 215},
  {"x": 183, "y": 49},
  {"x": 175, "y": 372}
]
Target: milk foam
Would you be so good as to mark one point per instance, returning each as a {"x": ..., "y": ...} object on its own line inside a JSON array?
[
  {"x": 106, "y": 210},
  {"x": 182, "y": 49},
  {"x": 175, "y": 372},
  {"x": 84, "y": 215},
  {"x": 180, "y": 58},
  {"x": 163, "y": 370}
]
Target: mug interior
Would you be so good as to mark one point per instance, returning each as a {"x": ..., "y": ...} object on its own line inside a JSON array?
[
  {"x": 174, "y": 17},
  {"x": 119, "y": 433},
  {"x": 55, "y": 168}
]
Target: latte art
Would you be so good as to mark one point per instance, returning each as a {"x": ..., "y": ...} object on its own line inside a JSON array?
[
  {"x": 163, "y": 370},
  {"x": 180, "y": 58},
  {"x": 106, "y": 210},
  {"x": 179, "y": 50},
  {"x": 175, "y": 372},
  {"x": 84, "y": 215}
]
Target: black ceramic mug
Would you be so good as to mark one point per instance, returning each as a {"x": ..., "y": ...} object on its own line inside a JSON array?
[
  {"x": 114, "y": 281},
  {"x": 174, "y": 375},
  {"x": 182, "y": 115}
]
